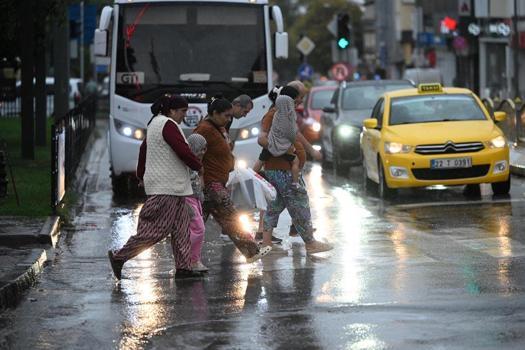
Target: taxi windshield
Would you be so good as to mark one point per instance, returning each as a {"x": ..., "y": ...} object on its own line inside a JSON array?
[{"x": 434, "y": 108}]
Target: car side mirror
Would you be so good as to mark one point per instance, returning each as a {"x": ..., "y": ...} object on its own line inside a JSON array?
[
  {"x": 500, "y": 116},
  {"x": 370, "y": 123},
  {"x": 329, "y": 109}
]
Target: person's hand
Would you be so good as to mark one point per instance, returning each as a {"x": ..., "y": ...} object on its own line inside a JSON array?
[{"x": 317, "y": 156}]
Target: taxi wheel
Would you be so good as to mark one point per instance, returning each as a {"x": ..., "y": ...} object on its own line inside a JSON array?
[
  {"x": 501, "y": 188},
  {"x": 368, "y": 185},
  {"x": 384, "y": 191}
]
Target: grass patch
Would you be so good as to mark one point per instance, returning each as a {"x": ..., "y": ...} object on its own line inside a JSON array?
[{"x": 32, "y": 177}]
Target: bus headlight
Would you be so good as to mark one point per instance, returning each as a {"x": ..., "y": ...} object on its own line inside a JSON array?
[
  {"x": 249, "y": 132},
  {"x": 131, "y": 131},
  {"x": 396, "y": 147},
  {"x": 498, "y": 142}
]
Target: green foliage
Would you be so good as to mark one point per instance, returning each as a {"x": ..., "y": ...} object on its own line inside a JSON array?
[
  {"x": 32, "y": 177},
  {"x": 310, "y": 18}
]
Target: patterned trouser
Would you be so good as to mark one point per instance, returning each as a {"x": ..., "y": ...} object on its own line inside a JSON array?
[
  {"x": 161, "y": 215},
  {"x": 295, "y": 201},
  {"x": 217, "y": 201}
]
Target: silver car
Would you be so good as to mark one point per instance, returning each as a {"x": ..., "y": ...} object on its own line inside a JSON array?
[{"x": 341, "y": 122}]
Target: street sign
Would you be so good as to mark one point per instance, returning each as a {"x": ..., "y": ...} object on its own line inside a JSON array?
[
  {"x": 305, "y": 71},
  {"x": 332, "y": 26},
  {"x": 340, "y": 71},
  {"x": 305, "y": 45},
  {"x": 464, "y": 8}
]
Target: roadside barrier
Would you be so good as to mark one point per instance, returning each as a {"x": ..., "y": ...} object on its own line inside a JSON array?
[{"x": 69, "y": 134}]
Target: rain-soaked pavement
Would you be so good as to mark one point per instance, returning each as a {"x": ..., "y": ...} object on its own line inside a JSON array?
[{"x": 428, "y": 270}]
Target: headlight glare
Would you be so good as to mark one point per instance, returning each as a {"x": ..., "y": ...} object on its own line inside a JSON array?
[
  {"x": 131, "y": 131},
  {"x": 498, "y": 142},
  {"x": 316, "y": 126},
  {"x": 249, "y": 131},
  {"x": 345, "y": 131},
  {"x": 396, "y": 147}
]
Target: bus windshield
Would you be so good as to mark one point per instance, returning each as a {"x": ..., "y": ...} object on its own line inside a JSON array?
[{"x": 199, "y": 50}]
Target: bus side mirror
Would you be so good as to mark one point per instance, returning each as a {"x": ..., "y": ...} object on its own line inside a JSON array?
[
  {"x": 101, "y": 43},
  {"x": 281, "y": 37},
  {"x": 281, "y": 45}
]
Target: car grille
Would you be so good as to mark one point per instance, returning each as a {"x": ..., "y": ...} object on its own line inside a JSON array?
[
  {"x": 450, "y": 147},
  {"x": 450, "y": 174}
]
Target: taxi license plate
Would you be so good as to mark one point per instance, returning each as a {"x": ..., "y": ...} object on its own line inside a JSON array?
[{"x": 451, "y": 163}]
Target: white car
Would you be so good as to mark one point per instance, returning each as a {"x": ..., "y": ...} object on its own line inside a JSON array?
[{"x": 13, "y": 108}]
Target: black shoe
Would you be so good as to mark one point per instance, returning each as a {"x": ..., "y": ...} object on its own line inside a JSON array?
[
  {"x": 116, "y": 265},
  {"x": 181, "y": 273},
  {"x": 275, "y": 240}
]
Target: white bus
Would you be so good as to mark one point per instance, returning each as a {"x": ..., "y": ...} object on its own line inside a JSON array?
[{"x": 193, "y": 48}]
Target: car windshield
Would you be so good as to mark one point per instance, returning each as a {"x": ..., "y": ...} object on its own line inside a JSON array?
[
  {"x": 321, "y": 98},
  {"x": 201, "y": 49},
  {"x": 434, "y": 108},
  {"x": 366, "y": 96}
]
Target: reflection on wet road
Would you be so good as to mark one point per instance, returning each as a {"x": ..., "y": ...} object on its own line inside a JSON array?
[{"x": 430, "y": 269}]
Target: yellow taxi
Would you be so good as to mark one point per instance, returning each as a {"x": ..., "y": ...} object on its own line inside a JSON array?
[{"x": 431, "y": 135}]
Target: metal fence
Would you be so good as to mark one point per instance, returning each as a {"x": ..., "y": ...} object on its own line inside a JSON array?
[
  {"x": 13, "y": 108},
  {"x": 69, "y": 134}
]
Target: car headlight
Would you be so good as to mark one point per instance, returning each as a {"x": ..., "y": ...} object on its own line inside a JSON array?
[
  {"x": 345, "y": 131},
  {"x": 250, "y": 131},
  {"x": 396, "y": 147},
  {"x": 131, "y": 131},
  {"x": 498, "y": 142},
  {"x": 316, "y": 126}
]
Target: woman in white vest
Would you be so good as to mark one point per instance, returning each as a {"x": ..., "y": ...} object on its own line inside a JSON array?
[{"x": 163, "y": 166}]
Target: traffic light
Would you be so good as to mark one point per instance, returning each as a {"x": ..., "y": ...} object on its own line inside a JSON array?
[{"x": 343, "y": 31}]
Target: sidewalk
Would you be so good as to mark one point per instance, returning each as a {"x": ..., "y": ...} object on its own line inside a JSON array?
[
  {"x": 23, "y": 244},
  {"x": 517, "y": 160}
]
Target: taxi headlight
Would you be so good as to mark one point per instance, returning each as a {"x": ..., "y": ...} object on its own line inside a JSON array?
[
  {"x": 131, "y": 131},
  {"x": 498, "y": 142},
  {"x": 249, "y": 132},
  {"x": 396, "y": 147},
  {"x": 345, "y": 131}
]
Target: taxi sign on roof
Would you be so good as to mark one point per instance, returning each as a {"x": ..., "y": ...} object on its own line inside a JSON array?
[{"x": 434, "y": 87}]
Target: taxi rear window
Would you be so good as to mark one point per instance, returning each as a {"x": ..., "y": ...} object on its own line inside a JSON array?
[{"x": 434, "y": 108}]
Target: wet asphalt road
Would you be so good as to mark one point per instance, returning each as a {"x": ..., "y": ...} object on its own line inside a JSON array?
[{"x": 428, "y": 270}]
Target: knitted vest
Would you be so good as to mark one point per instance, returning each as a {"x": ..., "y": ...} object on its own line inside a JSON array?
[{"x": 165, "y": 172}]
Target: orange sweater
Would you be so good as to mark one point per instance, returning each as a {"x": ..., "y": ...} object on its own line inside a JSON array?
[{"x": 218, "y": 160}]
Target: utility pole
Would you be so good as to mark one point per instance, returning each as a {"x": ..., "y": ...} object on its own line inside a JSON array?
[
  {"x": 26, "y": 9},
  {"x": 82, "y": 41},
  {"x": 516, "y": 69},
  {"x": 61, "y": 62}
]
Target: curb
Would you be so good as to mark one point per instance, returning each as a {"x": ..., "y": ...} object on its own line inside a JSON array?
[
  {"x": 12, "y": 292},
  {"x": 50, "y": 231}
]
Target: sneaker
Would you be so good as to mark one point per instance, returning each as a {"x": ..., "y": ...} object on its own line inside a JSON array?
[
  {"x": 275, "y": 240},
  {"x": 199, "y": 267},
  {"x": 116, "y": 265},
  {"x": 262, "y": 252},
  {"x": 182, "y": 273},
  {"x": 317, "y": 247}
]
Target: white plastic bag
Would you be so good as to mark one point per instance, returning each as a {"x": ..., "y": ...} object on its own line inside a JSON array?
[{"x": 250, "y": 190}]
